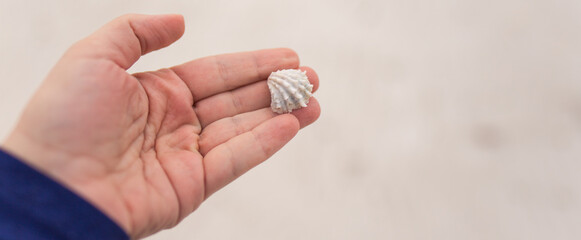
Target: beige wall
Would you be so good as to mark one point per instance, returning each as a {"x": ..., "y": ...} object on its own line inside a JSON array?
[{"x": 440, "y": 119}]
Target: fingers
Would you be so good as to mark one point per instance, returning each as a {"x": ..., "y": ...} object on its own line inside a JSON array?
[
  {"x": 212, "y": 75},
  {"x": 228, "y": 161},
  {"x": 312, "y": 76},
  {"x": 244, "y": 99},
  {"x": 126, "y": 38},
  {"x": 309, "y": 114},
  {"x": 227, "y": 128}
]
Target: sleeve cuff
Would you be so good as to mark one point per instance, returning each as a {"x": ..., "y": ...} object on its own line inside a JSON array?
[{"x": 33, "y": 206}]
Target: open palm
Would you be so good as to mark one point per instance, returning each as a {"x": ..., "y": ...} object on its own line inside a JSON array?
[{"x": 148, "y": 148}]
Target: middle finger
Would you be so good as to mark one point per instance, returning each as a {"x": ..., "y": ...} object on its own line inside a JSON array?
[{"x": 244, "y": 99}]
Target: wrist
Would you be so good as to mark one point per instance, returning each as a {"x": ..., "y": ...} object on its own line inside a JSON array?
[{"x": 70, "y": 172}]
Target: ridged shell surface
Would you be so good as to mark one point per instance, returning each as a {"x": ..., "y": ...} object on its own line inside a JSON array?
[{"x": 290, "y": 89}]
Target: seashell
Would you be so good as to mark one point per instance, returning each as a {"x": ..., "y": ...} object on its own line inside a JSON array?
[{"x": 290, "y": 89}]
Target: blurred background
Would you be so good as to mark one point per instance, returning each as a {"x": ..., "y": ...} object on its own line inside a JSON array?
[{"x": 440, "y": 119}]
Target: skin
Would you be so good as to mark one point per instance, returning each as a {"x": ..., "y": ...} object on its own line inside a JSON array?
[{"x": 148, "y": 148}]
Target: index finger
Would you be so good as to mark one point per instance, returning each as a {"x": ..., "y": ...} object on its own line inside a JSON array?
[{"x": 212, "y": 75}]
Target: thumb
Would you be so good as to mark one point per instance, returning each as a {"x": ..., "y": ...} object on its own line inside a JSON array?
[{"x": 126, "y": 38}]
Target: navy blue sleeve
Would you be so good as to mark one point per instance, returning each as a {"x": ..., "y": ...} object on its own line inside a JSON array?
[{"x": 33, "y": 206}]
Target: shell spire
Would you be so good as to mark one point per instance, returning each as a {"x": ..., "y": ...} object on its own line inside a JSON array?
[{"x": 290, "y": 89}]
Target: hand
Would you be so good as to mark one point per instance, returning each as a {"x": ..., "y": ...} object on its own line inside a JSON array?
[{"x": 148, "y": 148}]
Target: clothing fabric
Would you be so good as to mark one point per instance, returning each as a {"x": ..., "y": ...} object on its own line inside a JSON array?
[{"x": 33, "y": 206}]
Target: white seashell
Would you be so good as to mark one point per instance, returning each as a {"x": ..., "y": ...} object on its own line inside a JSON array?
[{"x": 290, "y": 89}]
